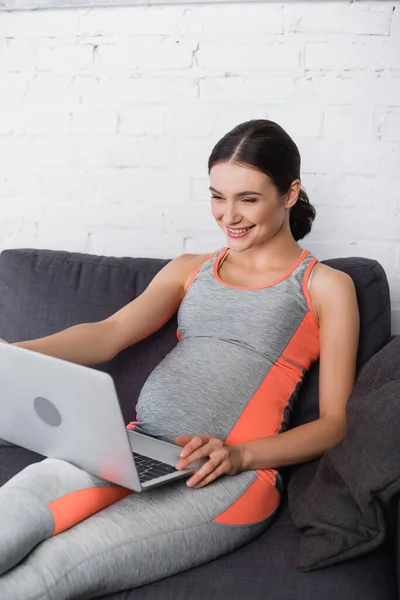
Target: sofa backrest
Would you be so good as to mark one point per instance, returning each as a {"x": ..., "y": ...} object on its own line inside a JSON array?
[{"x": 43, "y": 291}]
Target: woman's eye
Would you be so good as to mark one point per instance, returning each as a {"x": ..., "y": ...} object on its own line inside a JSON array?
[
  {"x": 216, "y": 198},
  {"x": 250, "y": 200}
]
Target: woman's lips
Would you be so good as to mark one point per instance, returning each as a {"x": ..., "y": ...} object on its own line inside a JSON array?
[{"x": 238, "y": 233}]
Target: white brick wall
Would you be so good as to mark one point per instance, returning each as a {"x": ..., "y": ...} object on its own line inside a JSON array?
[{"x": 107, "y": 118}]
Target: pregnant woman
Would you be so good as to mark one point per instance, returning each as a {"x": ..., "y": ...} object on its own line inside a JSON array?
[{"x": 252, "y": 317}]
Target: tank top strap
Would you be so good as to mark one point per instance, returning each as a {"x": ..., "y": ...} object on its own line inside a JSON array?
[{"x": 206, "y": 265}]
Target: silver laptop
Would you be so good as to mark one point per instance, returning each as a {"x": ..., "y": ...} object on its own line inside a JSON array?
[{"x": 66, "y": 411}]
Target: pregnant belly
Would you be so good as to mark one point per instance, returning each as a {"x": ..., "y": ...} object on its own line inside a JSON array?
[{"x": 202, "y": 386}]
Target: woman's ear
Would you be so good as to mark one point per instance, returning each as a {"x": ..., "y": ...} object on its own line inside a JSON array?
[{"x": 293, "y": 193}]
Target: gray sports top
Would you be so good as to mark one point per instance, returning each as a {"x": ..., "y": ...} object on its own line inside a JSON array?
[{"x": 242, "y": 355}]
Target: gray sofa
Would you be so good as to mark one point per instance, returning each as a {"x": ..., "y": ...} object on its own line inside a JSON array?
[{"x": 42, "y": 292}]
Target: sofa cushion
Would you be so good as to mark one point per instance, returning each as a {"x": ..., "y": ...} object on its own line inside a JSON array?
[
  {"x": 43, "y": 291},
  {"x": 349, "y": 506}
]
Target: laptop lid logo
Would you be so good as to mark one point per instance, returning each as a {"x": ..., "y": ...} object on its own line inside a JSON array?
[{"x": 47, "y": 412}]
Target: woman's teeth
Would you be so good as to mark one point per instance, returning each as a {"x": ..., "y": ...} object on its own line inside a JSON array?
[{"x": 238, "y": 232}]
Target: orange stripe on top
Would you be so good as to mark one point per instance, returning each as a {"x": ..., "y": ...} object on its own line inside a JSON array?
[
  {"x": 263, "y": 415},
  {"x": 77, "y": 506},
  {"x": 257, "y": 503},
  {"x": 303, "y": 348}
]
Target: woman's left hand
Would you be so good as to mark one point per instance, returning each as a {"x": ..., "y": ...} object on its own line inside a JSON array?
[{"x": 224, "y": 459}]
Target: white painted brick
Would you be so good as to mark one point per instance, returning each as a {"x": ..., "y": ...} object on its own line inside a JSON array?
[
  {"x": 228, "y": 115},
  {"x": 200, "y": 189},
  {"x": 195, "y": 153},
  {"x": 191, "y": 216},
  {"x": 299, "y": 121},
  {"x": 149, "y": 177},
  {"x": 11, "y": 122},
  {"x": 50, "y": 121},
  {"x": 143, "y": 53},
  {"x": 121, "y": 91},
  {"x": 131, "y": 20},
  {"x": 197, "y": 120},
  {"x": 320, "y": 156},
  {"x": 356, "y": 223},
  {"x": 49, "y": 90},
  {"x": 388, "y": 123},
  {"x": 333, "y": 17},
  {"x": 393, "y": 45},
  {"x": 142, "y": 120},
  {"x": 69, "y": 57},
  {"x": 139, "y": 215},
  {"x": 36, "y": 151},
  {"x": 233, "y": 19},
  {"x": 240, "y": 89},
  {"x": 11, "y": 234},
  {"x": 42, "y": 185},
  {"x": 16, "y": 55},
  {"x": 347, "y": 89},
  {"x": 128, "y": 152},
  {"x": 381, "y": 158},
  {"x": 368, "y": 191},
  {"x": 44, "y": 23},
  {"x": 141, "y": 184},
  {"x": 345, "y": 56},
  {"x": 93, "y": 122},
  {"x": 323, "y": 189},
  {"x": 56, "y": 236},
  {"x": 130, "y": 242},
  {"x": 249, "y": 56},
  {"x": 343, "y": 123},
  {"x": 13, "y": 87},
  {"x": 201, "y": 244}
]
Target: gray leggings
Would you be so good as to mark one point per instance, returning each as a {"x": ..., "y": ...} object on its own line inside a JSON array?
[{"x": 50, "y": 550}]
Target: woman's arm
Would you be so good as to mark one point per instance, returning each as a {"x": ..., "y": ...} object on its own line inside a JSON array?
[
  {"x": 94, "y": 343},
  {"x": 335, "y": 301}
]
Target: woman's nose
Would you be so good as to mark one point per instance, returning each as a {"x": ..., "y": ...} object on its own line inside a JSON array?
[{"x": 231, "y": 214}]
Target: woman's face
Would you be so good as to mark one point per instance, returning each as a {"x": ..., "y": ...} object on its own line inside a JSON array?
[{"x": 246, "y": 205}]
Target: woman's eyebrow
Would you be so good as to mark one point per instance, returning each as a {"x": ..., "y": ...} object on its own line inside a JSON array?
[{"x": 247, "y": 193}]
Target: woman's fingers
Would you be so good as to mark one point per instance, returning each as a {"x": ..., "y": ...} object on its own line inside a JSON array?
[
  {"x": 211, "y": 470},
  {"x": 191, "y": 444},
  {"x": 213, "y": 475}
]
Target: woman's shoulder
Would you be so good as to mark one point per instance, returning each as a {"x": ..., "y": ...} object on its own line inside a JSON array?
[
  {"x": 193, "y": 261},
  {"x": 331, "y": 286},
  {"x": 325, "y": 277},
  {"x": 186, "y": 264}
]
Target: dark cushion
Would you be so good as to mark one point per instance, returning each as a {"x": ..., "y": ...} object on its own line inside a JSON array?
[
  {"x": 44, "y": 291},
  {"x": 348, "y": 507},
  {"x": 264, "y": 569}
]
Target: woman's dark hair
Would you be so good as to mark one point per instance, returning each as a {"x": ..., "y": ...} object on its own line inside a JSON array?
[{"x": 265, "y": 146}]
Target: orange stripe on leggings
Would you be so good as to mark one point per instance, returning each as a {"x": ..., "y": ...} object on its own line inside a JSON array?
[
  {"x": 77, "y": 506},
  {"x": 257, "y": 503}
]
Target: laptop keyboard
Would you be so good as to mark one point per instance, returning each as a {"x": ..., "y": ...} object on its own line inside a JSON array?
[{"x": 149, "y": 468}]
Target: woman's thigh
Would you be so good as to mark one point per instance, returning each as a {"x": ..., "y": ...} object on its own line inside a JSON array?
[{"x": 140, "y": 539}]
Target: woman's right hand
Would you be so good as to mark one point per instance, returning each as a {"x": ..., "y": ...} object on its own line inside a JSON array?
[{"x": 4, "y": 341}]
